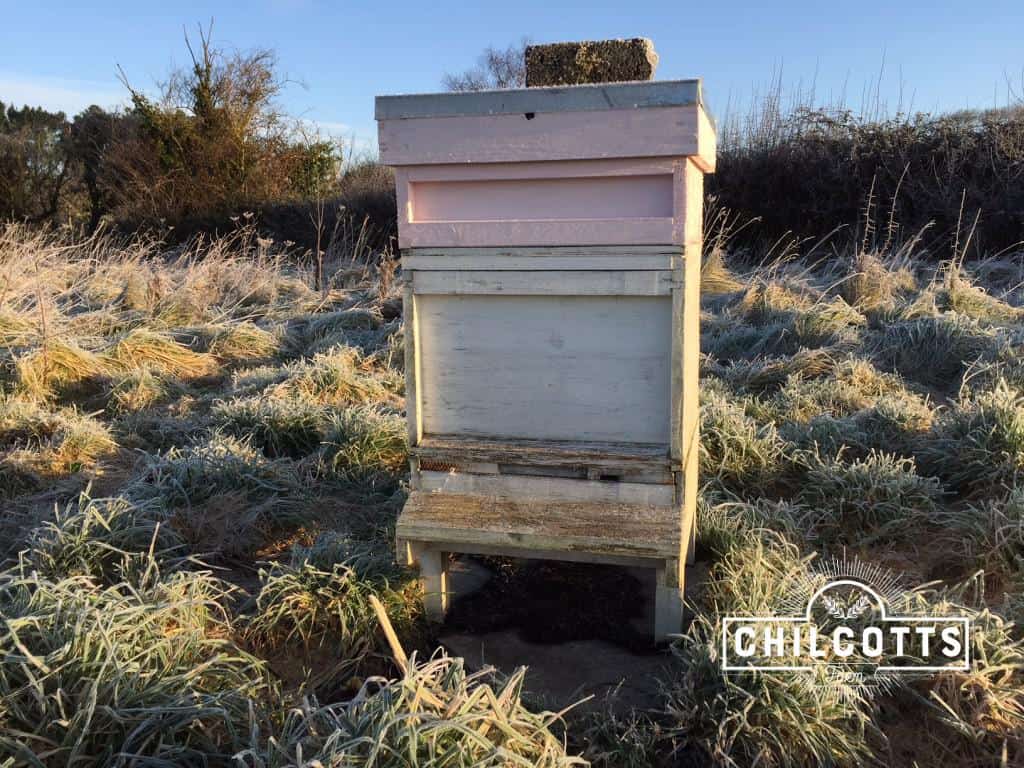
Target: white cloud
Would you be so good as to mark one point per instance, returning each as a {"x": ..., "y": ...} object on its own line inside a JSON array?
[{"x": 64, "y": 94}]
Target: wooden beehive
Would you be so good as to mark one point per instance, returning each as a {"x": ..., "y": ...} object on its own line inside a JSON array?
[{"x": 550, "y": 244}]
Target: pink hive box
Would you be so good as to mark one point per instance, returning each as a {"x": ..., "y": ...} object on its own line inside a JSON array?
[{"x": 550, "y": 245}]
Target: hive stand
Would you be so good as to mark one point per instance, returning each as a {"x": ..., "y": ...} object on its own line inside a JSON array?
[{"x": 551, "y": 255}]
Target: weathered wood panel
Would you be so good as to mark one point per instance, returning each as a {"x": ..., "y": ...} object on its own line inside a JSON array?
[
  {"x": 633, "y": 258},
  {"x": 691, "y": 358},
  {"x": 466, "y": 234},
  {"x": 630, "y": 530},
  {"x": 553, "y": 488},
  {"x": 620, "y": 459},
  {"x": 614, "y": 284},
  {"x": 560, "y": 169},
  {"x": 609, "y": 197},
  {"x": 632, "y": 201},
  {"x": 590, "y": 97},
  {"x": 412, "y": 409},
  {"x": 517, "y": 138},
  {"x": 584, "y": 368}
]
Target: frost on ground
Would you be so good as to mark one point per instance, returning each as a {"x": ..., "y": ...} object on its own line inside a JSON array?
[{"x": 202, "y": 457}]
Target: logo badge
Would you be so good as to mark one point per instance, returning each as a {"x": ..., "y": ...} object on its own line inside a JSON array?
[{"x": 852, "y": 621}]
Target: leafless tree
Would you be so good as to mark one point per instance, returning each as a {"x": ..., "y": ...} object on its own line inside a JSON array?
[{"x": 494, "y": 69}]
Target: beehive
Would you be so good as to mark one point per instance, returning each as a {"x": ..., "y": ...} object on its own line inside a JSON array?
[{"x": 550, "y": 242}]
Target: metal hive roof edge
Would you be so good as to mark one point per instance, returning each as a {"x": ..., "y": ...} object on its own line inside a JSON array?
[{"x": 570, "y": 98}]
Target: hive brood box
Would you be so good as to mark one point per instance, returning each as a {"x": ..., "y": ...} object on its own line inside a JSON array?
[{"x": 550, "y": 243}]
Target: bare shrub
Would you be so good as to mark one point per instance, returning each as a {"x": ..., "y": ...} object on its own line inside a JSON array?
[{"x": 496, "y": 68}]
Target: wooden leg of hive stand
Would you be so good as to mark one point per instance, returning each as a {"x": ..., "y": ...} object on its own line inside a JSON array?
[
  {"x": 434, "y": 575},
  {"x": 668, "y": 601}
]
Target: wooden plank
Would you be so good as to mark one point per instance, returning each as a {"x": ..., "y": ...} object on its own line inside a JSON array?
[
  {"x": 636, "y": 561},
  {"x": 676, "y": 391},
  {"x": 629, "y": 530},
  {"x": 548, "y": 488},
  {"x": 412, "y": 407},
  {"x": 551, "y": 452},
  {"x": 619, "y": 284},
  {"x": 707, "y": 142},
  {"x": 586, "y": 98},
  {"x": 528, "y": 261},
  {"x": 461, "y": 234},
  {"x": 433, "y": 566},
  {"x": 693, "y": 213},
  {"x": 555, "y": 169},
  {"x": 668, "y": 602},
  {"x": 548, "y": 251},
  {"x": 579, "y": 368},
  {"x": 515, "y": 138},
  {"x": 691, "y": 359},
  {"x": 403, "y": 201},
  {"x": 499, "y": 201}
]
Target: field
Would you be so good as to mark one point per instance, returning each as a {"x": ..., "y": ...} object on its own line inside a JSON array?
[{"x": 202, "y": 457}]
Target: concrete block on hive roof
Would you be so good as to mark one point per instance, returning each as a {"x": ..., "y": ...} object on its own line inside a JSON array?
[{"x": 590, "y": 61}]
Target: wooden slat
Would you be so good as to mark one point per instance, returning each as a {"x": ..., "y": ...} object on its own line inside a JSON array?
[
  {"x": 412, "y": 363},
  {"x": 541, "y": 259},
  {"x": 555, "y": 453},
  {"x": 546, "y": 251},
  {"x": 587, "y": 97},
  {"x": 557, "y": 169},
  {"x": 707, "y": 144},
  {"x": 646, "y": 231},
  {"x": 627, "y": 530},
  {"x": 554, "y": 283},
  {"x": 537, "y": 367},
  {"x": 524, "y": 487},
  {"x": 691, "y": 355},
  {"x": 501, "y": 201},
  {"x": 512, "y": 138}
]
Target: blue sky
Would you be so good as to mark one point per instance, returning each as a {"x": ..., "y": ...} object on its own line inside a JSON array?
[{"x": 925, "y": 55}]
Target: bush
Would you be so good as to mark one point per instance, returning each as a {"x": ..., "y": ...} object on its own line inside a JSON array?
[
  {"x": 277, "y": 426},
  {"x": 977, "y": 447},
  {"x": 753, "y": 718},
  {"x": 135, "y": 391},
  {"x": 214, "y": 144},
  {"x": 735, "y": 449},
  {"x": 935, "y": 351},
  {"x": 338, "y": 377},
  {"x": 977, "y": 715},
  {"x": 880, "y": 496},
  {"x": 51, "y": 443},
  {"x": 434, "y": 715},
  {"x": 223, "y": 496},
  {"x": 303, "y": 606},
  {"x": 107, "y": 540},
  {"x": 991, "y": 533},
  {"x": 118, "y": 676},
  {"x": 244, "y": 342},
  {"x": 365, "y": 444},
  {"x": 803, "y": 170}
]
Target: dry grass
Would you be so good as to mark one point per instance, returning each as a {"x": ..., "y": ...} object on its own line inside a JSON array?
[
  {"x": 231, "y": 412},
  {"x": 158, "y": 352}
]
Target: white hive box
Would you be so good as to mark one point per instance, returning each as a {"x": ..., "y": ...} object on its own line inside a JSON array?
[{"x": 551, "y": 250}]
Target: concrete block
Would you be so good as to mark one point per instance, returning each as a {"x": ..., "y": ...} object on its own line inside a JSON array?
[{"x": 592, "y": 61}]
